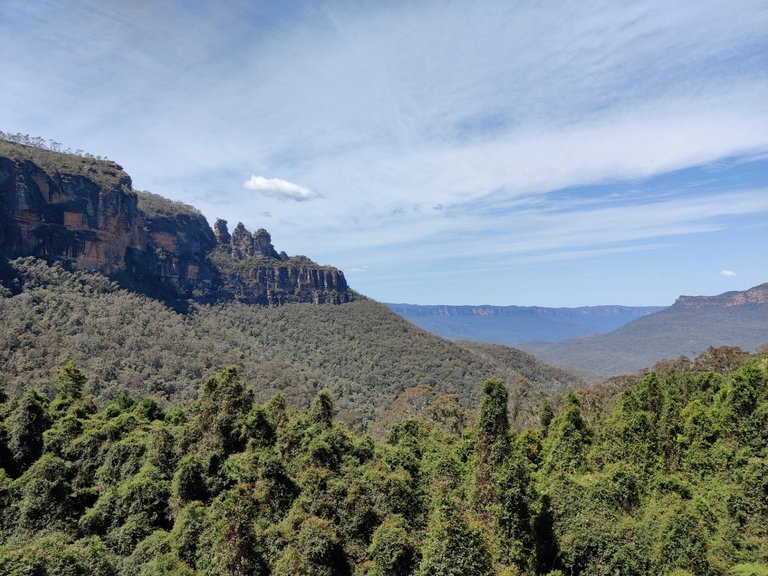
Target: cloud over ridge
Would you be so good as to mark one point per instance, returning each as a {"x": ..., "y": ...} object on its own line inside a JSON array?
[{"x": 278, "y": 188}]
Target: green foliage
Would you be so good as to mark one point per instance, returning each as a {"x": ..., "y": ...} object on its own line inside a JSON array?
[
  {"x": 156, "y": 206},
  {"x": 452, "y": 545},
  {"x": 671, "y": 479},
  {"x": 568, "y": 439},
  {"x": 153, "y": 547},
  {"x": 229, "y": 543},
  {"x": 322, "y": 409},
  {"x": 56, "y": 554},
  {"x": 512, "y": 511},
  {"x": 123, "y": 459},
  {"x": 222, "y": 409},
  {"x": 28, "y": 422},
  {"x": 258, "y": 427},
  {"x": 100, "y": 170},
  {"x": 47, "y": 499},
  {"x": 493, "y": 421},
  {"x": 393, "y": 548},
  {"x": 189, "y": 481},
  {"x": 493, "y": 445},
  {"x": 682, "y": 541},
  {"x": 187, "y": 530},
  {"x": 545, "y": 415},
  {"x": 362, "y": 352},
  {"x": 751, "y": 569},
  {"x": 70, "y": 380}
]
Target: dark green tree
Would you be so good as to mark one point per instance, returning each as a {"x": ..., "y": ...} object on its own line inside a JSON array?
[
  {"x": 322, "y": 409},
  {"x": 258, "y": 427},
  {"x": 47, "y": 499},
  {"x": 28, "y": 423},
  {"x": 452, "y": 546},
  {"x": 501, "y": 490},
  {"x": 189, "y": 481},
  {"x": 545, "y": 416},
  {"x": 393, "y": 548},
  {"x": 229, "y": 544},
  {"x": 187, "y": 530},
  {"x": 221, "y": 410},
  {"x": 512, "y": 511},
  {"x": 70, "y": 381},
  {"x": 493, "y": 444},
  {"x": 568, "y": 439},
  {"x": 493, "y": 419}
]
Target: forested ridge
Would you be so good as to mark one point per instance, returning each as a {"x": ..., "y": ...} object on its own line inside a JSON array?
[
  {"x": 364, "y": 353},
  {"x": 671, "y": 479}
]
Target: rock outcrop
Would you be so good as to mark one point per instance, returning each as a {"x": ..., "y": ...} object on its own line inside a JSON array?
[
  {"x": 253, "y": 272},
  {"x": 752, "y": 296},
  {"x": 84, "y": 212}
]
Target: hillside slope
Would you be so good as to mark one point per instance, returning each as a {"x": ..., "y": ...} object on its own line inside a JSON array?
[
  {"x": 363, "y": 352},
  {"x": 513, "y": 325},
  {"x": 688, "y": 327}
]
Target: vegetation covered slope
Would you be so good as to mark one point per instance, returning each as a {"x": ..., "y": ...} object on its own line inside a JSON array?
[
  {"x": 687, "y": 328},
  {"x": 364, "y": 353},
  {"x": 672, "y": 480}
]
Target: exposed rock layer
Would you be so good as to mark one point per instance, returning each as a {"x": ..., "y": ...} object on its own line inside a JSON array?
[
  {"x": 755, "y": 295},
  {"x": 85, "y": 213}
]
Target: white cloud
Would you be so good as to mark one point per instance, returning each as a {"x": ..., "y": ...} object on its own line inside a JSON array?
[
  {"x": 427, "y": 142},
  {"x": 277, "y": 188},
  {"x": 727, "y": 273}
]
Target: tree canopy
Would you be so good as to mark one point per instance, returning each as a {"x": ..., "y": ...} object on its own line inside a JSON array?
[{"x": 672, "y": 479}]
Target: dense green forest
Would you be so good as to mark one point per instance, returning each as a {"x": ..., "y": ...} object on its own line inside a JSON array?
[
  {"x": 671, "y": 479},
  {"x": 364, "y": 353}
]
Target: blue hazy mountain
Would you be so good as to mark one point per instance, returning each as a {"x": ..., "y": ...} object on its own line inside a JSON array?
[
  {"x": 687, "y": 328},
  {"x": 513, "y": 325}
]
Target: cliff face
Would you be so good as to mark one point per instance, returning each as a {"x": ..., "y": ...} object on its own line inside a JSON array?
[
  {"x": 84, "y": 212},
  {"x": 67, "y": 216},
  {"x": 253, "y": 272},
  {"x": 755, "y": 295}
]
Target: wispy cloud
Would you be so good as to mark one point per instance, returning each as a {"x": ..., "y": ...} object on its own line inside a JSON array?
[
  {"x": 727, "y": 273},
  {"x": 277, "y": 188},
  {"x": 538, "y": 233},
  {"x": 538, "y": 136}
]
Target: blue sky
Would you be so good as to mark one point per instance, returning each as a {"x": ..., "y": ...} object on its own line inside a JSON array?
[{"x": 485, "y": 152}]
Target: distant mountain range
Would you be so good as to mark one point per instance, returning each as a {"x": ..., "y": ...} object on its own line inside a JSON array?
[
  {"x": 607, "y": 340},
  {"x": 514, "y": 325},
  {"x": 687, "y": 328}
]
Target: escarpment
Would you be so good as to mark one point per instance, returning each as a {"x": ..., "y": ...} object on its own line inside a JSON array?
[
  {"x": 755, "y": 296},
  {"x": 253, "y": 272},
  {"x": 84, "y": 212}
]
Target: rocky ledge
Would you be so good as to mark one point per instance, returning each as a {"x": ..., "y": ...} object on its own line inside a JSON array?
[
  {"x": 757, "y": 295},
  {"x": 84, "y": 212}
]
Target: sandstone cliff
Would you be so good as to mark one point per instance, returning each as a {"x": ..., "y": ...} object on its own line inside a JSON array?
[
  {"x": 755, "y": 295},
  {"x": 253, "y": 272},
  {"x": 84, "y": 212}
]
